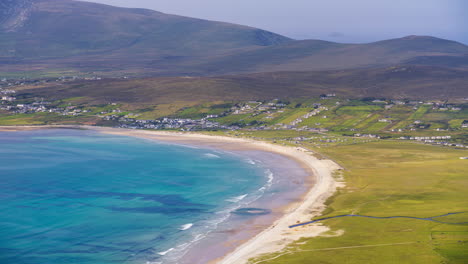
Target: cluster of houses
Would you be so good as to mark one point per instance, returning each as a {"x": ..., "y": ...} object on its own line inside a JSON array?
[
  {"x": 39, "y": 106},
  {"x": 391, "y": 103},
  {"x": 8, "y": 98},
  {"x": 43, "y": 107},
  {"x": 281, "y": 126},
  {"x": 7, "y": 94},
  {"x": 251, "y": 107},
  {"x": 26, "y": 108},
  {"x": 184, "y": 124},
  {"x": 465, "y": 124},
  {"x": 9, "y": 102},
  {"x": 427, "y": 138},
  {"x": 327, "y": 96},
  {"x": 440, "y": 106},
  {"x": 366, "y": 135},
  {"x": 270, "y": 109},
  {"x": 325, "y": 140},
  {"x": 314, "y": 112},
  {"x": 446, "y": 107},
  {"x": 254, "y": 107},
  {"x": 4, "y": 82},
  {"x": 276, "y": 107},
  {"x": 435, "y": 140}
]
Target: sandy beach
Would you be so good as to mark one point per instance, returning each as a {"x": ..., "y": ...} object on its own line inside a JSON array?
[{"x": 276, "y": 236}]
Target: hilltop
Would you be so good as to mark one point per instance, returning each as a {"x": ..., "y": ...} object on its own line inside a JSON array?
[{"x": 57, "y": 36}]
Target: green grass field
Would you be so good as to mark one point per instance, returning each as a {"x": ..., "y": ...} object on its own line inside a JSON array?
[
  {"x": 364, "y": 117},
  {"x": 43, "y": 119},
  {"x": 389, "y": 178},
  {"x": 336, "y": 115}
]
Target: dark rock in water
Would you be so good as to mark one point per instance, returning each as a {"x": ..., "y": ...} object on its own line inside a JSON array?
[{"x": 252, "y": 211}]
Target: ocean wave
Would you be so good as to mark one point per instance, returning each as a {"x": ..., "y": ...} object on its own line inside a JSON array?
[
  {"x": 203, "y": 229},
  {"x": 185, "y": 227},
  {"x": 270, "y": 177},
  {"x": 236, "y": 199},
  {"x": 250, "y": 161},
  {"x": 210, "y": 155},
  {"x": 269, "y": 183},
  {"x": 199, "y": 237},
  {"x": 165, "y": 252},
  {"x": 175, "y": 254}
]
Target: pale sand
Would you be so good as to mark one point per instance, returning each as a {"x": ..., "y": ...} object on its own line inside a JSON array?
[{"x": 278, "y": 235}]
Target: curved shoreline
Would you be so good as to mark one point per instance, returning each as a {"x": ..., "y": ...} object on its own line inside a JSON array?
[{"x": 279, "y": 234}]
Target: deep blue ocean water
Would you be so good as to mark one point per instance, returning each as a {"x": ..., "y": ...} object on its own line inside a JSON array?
[{"x": 71, "y": 196}]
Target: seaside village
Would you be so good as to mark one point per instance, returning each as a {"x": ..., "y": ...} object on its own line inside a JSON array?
[{"x": 268, "y": 110}]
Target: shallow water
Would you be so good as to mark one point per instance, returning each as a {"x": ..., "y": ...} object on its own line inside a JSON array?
[{"x": 71, "y": 196}]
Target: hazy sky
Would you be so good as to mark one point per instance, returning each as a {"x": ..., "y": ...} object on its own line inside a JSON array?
[{"x": 335, "y": 20}]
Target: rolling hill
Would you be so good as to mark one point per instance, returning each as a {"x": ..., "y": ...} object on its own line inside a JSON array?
[
  {"x": 401, "y": 82},
  {"x": 72, "y": 36},
  {"x": 322, "y": 55}
]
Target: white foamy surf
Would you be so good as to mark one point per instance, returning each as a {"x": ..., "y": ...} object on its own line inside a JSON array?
[
  {"x": 210, "y": 155},
  {"x": 185, "y": 227},
  {"x": 165, "y": 252},
  {"x": 236, "y": 199},
  {"x": 250, "y": 161},
  {"x": 204, "y": 228},
  {"x": 270, "y": 177}
]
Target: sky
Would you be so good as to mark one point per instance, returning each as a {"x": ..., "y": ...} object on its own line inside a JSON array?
[{"x": 347, "y": 21}]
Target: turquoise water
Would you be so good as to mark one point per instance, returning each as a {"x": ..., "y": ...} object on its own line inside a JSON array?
[{"x": 71, "y": 196}]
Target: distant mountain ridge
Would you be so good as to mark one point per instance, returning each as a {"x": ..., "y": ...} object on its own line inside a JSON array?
[
  {"x": 323, "y": 55},
  {"x": 67, "y": 35}
]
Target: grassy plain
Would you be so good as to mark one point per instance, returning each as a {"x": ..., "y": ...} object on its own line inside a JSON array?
[
  {"x": 389, "y": 178},
  {"x": 44, "y": 119}
]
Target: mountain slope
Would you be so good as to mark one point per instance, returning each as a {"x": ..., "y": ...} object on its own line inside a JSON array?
[
  {"x": 320, "y": 55},
  {"x": 13, "y": 13},
  {"x": 59, "y": 28},
  {"x": 66, "y": 35},
  {"x": 416, "y": 82}
]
